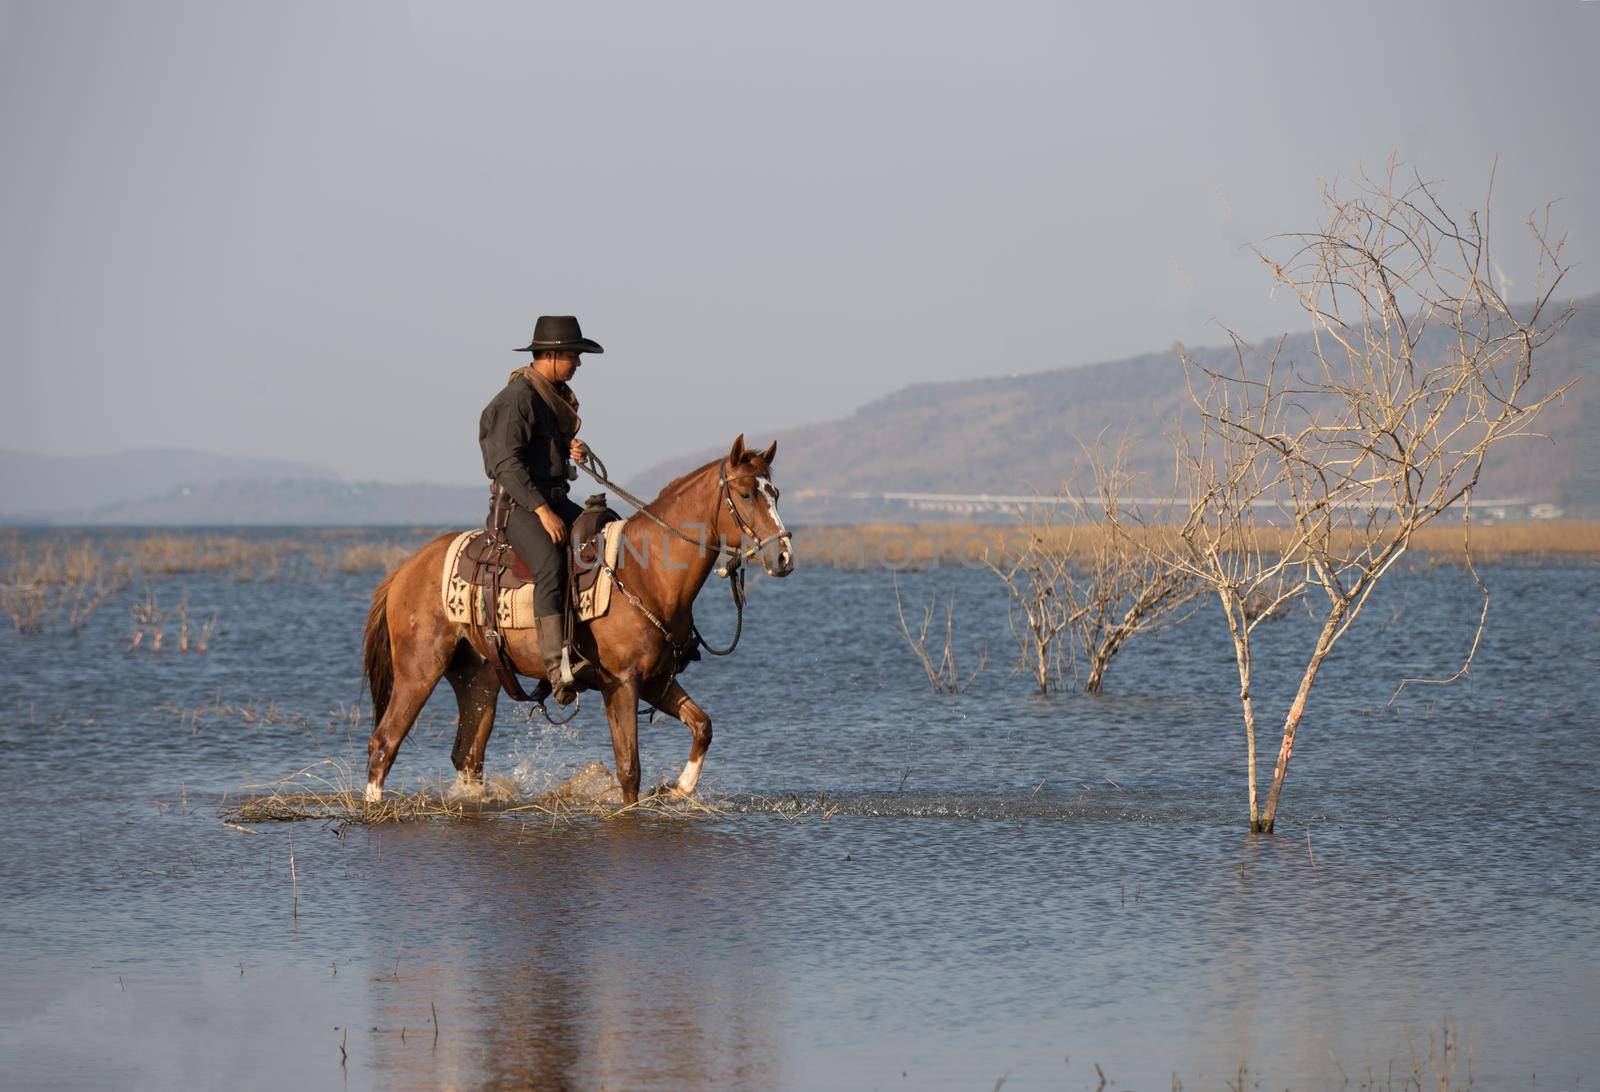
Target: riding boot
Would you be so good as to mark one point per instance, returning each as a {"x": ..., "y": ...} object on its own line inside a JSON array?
[{"x": 548, "y": 628}]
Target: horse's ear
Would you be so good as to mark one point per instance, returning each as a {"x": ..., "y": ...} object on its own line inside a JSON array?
[
  {"x": 736, "y": 456},
  {"x": 767, "y": 455}
]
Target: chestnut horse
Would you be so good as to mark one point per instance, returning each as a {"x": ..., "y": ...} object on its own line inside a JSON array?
[{"x": 411, "y": 644}]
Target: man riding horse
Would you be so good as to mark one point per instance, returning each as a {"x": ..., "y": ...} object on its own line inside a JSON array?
[
  {"x": 713, "y": 518},
  {"x": 528, "y": 433}
]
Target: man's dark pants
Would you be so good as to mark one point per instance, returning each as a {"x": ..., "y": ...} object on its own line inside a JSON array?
[{"x": 546, "y": 560}]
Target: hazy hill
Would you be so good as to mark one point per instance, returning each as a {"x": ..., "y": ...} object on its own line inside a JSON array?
[
  {"x": 183, "y": 487},
  {"x": 295, "y": 502},
  {"x": 43, "y": 485},
  {"x": 1015, "y": 434}
]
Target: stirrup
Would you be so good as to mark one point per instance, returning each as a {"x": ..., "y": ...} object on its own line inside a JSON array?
[
  {"x": 583, "y": 673},
  {"x": 561, "y": 688},
  {"x": 540, "y": 694}
]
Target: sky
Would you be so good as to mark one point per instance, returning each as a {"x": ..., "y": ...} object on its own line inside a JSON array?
[{"x": 317, "y": 229}]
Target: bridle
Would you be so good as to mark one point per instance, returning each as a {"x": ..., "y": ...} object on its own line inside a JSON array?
[
  {"x": 729, "y": 563},
  {"x": 745, "y": 530},
  {"x": 729, "y": 558}
]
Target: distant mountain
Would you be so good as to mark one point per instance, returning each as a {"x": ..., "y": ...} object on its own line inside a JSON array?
[
  {"x": 247, "y": 502},
  {"x": 184, "y": 487},
  {"x": 1015, "y": 434},
  {"x": 44, "y": 485},
  {"x": 1007, "y": 435}
]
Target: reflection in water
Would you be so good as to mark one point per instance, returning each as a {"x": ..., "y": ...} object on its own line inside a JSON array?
[{"x": 597, "y": 955}]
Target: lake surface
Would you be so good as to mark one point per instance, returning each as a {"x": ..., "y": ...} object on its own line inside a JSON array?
[{"x": 1012, "y": 888}]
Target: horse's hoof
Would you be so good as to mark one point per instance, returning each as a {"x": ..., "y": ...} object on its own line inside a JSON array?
[
  {"x": 466, "y": 788},
  {"x": 593, "y": 784},
  {"x": 374, "y": 792},
  {"x": 501, "y": 790}
]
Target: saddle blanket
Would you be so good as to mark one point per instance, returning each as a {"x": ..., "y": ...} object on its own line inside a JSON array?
[{"x": 515, "y": 608}]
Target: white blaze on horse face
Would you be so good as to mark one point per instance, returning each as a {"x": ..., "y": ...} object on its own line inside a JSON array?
[
  {"x": 690, "y": 775},
  {"x": 374, "y": 792},
  {"x": 770, "y": 493}
]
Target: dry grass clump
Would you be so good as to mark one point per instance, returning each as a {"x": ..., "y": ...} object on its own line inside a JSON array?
[
  {"x": 661, "y": 804},
  {"x": 348, "y": 550},
  {"x": 908, "y": 546},
  {"x": 239, "y": 557},
  {"x": 1447, "y": 1056},
  {"x": 150, "y": 622},
  {"x": 328, "y": 790},
  {"x": 904, "y": 546},
  {"x": 344, "y": 805},
  {"x": 257, "y": 711},
  {"x": 40, "y": 581},
  {"x": 379, "y": 557},
  {"x": 1543, "y": 539}
]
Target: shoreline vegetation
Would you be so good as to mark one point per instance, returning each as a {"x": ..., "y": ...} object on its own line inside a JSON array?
[
  {"x": 58, "y": 577},
  {"x": 927, "y": 545},
  {"x": 55, "y": 555}
]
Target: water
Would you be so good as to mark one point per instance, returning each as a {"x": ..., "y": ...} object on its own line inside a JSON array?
[{"x": 1011, "y": 886}]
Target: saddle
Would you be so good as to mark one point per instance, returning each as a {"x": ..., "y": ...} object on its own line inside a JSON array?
[
  {"x": 489, "y": 588},
  {"x": 588, "y": 546},
  {"x": 483, "y": 554}
]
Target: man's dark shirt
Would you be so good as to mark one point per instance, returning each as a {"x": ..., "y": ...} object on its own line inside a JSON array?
[{"x": 523, "y": 448}]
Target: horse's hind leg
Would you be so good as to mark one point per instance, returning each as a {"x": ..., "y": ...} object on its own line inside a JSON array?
[
  {"x": 418, "y": 664},
  {"x": 674, "y": 702},
  {"x": 477, "y": 690}
]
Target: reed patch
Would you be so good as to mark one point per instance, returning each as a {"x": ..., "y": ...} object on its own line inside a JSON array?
[
  {"x": 328, "y": 791},
  {"x": 56, "y": 582},
  {"x": 917, "y": 546}
]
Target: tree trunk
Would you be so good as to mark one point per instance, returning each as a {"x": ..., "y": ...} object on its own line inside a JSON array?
[
  {"x": 1291, "y": 722},
  {"x": 1248, "y": 702},
  {"x": 1241, "y": 657},
  {"x": 1100, "y": 660}
]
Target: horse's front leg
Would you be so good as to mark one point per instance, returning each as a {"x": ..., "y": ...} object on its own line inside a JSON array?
[
  {"x": 622, "y": 711},
  {"x": 675, "y": 703}
]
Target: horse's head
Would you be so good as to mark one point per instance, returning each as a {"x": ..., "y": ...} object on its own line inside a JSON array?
[{"x": 751, "y": 510}]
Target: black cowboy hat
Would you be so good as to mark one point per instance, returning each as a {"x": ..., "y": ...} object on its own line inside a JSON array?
[{"x": 559, "y": 334}]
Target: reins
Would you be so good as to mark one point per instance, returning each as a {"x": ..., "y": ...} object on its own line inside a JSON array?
[
  {"x": 598, "y": 473},
  {"x": 731, "y": 569}
]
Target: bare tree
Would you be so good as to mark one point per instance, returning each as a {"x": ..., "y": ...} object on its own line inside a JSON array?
[
  {"x": 1312, "y": 475},
  {"x": 943, "y": 675},
  {"x": 1123, "y": 588},
  {"x": 1084, "y": 578},
  {"x": 1038, "y": 578}
]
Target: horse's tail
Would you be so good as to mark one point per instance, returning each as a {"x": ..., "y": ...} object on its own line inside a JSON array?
[{"x": 378, "y": 662}]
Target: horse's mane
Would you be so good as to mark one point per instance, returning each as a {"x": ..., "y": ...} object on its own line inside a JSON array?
[{"x": 680, "y": 484}]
